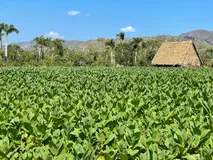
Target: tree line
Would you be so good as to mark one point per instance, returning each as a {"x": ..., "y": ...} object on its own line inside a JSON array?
[
  {"x": 52, "y": 52},
  {"x": 114, "y": 52}
]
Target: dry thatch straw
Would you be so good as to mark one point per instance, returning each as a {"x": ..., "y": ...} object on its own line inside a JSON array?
[{"x": 177, "y": 54}]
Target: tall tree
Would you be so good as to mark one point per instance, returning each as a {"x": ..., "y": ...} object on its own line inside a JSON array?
[
  {"x": 15, "y": 52},
  {"x": 135, "y": 44},
  {"x": 111, "y": 45},
  {"x": 41, "y": 42},
  {"x": 58, "y": 47},
  {"x": 124, "y": 54},
  {"x": 1, "y": 34},
  {"x": 8, "y": 29},
  {"x": 121, "y": 36}
]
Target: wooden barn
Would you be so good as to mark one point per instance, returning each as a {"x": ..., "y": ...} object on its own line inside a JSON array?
[{"x": 177, "y": 54}]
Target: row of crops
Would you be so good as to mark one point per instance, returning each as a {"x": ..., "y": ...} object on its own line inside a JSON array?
[{"x": 106, "y": 114}]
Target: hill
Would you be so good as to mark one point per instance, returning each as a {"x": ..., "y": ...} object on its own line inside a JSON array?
[
  {"x": 71, "y": 44},
  {"x": 202, "y": 38},
  {"x": 199, "y": 35}
]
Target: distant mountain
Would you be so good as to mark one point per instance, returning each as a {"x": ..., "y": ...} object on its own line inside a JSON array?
[
  {"x": 71, "y": 44},
  {"x": 25, "y": 45},
  {"x": 199, "y": 35}
]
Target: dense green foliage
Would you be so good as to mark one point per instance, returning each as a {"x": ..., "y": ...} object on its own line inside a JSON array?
[
  {"x": 102, "y": 52},
  {"x": 49, "y": 52},
  {"x": 106, "y": 113}
]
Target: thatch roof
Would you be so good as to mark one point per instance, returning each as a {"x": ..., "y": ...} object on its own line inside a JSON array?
[{"x": 177, "y": 54}]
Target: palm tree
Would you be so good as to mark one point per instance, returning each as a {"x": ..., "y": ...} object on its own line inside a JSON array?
[
  {"x": 41, "y": 42},
  {"x": 111, "y": 44},
  {"x": 58, "y": 46},
  {"x": 14, "y": 51},
  {"x": 47, "y": 45},
  {"x": 1, "y": 34},
  {"x": 135, "y": 44},
  {"x": 8, "y": 29},
  {"x": 121, "y": 36}
]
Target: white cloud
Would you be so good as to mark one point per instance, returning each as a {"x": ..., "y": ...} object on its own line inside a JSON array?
[
  {"x": 54, "y": 35},
  {"x": 73, "y": 13},
  {"x": 128, "y": 29}
]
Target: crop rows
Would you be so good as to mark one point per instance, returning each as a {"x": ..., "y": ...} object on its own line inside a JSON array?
[{"x": 104, "y": 113}]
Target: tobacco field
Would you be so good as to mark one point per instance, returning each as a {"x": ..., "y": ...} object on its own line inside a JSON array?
[{"x": 106, "y": 113}]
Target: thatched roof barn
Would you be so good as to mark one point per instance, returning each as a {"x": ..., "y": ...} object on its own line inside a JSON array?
[{"x": 177, "y": 54}]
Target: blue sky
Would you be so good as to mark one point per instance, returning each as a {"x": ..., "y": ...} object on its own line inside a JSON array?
[{"x": 90, "y": 19}]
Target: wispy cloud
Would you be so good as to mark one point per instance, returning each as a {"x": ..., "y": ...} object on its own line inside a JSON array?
[
  {"x": 128, "y": 29},
  {"x": 73, "y": 13},
  {"x": 54, "y": 35}
]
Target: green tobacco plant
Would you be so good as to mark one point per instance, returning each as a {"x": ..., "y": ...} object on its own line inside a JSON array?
[{"x": 106, "y": 113}]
